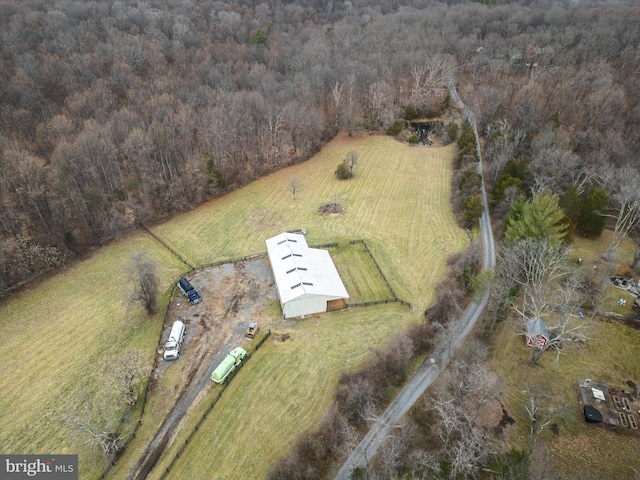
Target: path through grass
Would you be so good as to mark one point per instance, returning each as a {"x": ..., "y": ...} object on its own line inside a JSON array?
[{"x": 57, "y": 329}]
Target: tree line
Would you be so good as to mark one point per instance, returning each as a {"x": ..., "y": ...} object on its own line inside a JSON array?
[{"x": 115, "y": 114}]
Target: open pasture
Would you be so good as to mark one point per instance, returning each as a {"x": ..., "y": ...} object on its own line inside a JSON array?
[
  {"x": 55, "y": 332},
  {"x": 283, "y": 390},
  {"x": 398, "y": 202},
  {"x": 60, "y": 327}
]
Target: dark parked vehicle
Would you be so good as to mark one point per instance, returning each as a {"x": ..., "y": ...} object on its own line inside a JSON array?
[{"x": 189, "y": 291}]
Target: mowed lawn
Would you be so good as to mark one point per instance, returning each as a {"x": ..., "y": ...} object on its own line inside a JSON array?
[
  {"x": 358, "y": 272},
  {"x": 284, "y": 389},
  {"x": 60, "y": 327},
  {"x": 56, "y": 331},
  {"x": 610, "y": 356},
  {"x": 398, "y": 202}
]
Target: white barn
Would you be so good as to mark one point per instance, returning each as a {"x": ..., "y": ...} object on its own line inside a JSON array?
[{"x": 306, "y": 278}]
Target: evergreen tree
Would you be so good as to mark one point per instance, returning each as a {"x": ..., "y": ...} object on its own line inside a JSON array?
[
  {"x": 343, "y": 172},
  {"x": 506, "y": 181},
  {"x": 538, "y": 219},
  {"x": 473, "y": 208},
  {"x": 571, "y": 202},
  {"x": 591, "y": 219}
]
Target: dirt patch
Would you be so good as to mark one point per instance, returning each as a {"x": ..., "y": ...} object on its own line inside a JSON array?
[
  {"x": 281, "y": 337},
  {"x": 504, "y": 422},
  {"x": 233, "y": 295},
  {"x": 332, "y": 208}
]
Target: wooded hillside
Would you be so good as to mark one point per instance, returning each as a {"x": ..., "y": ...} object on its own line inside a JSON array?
[{"x": 119, "y": 113}]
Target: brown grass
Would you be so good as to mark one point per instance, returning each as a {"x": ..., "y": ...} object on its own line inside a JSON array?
[
  {"x": 610, "y": 356},
  {"x": 398, "y": 203}
]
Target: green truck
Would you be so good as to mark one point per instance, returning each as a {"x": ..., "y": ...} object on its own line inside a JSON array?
[{"x": 233, "y": 359}]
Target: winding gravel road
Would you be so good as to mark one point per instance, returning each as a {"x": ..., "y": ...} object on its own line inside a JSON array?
[{"x": 432, "y": 366}]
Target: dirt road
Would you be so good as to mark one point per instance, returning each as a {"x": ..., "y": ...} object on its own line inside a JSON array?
[
  {"x": 432, "y": 366},
  {"x": 233, "y": 295}
]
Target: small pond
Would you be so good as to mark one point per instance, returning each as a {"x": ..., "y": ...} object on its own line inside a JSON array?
[{"x": 426, "y": 130}]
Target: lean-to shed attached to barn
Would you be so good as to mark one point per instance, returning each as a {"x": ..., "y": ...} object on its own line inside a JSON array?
[{"x": 306, "y": 278}]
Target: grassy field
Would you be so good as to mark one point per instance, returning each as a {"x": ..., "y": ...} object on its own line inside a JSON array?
[
  {"x": 55, "y": 331},
  {"x": 359, "y": 274},
  {"x": 270, "y": 401},
  {"x": 398, "y": 202},
  {"x": 610, "y": 356},
  {"x": 409, "y": 243},
  {"x": 60, "y": 327}
]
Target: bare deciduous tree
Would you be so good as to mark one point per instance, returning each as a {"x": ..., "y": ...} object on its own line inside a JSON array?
[
  {"x": 274, "y": 126},
  {"x": 102, "y": 417},
  {"x": 567, "y": 324},
  {"x": 431, "y": 78},
  {"x": 351, "y": 160},
  {"x": 99, "y": 422},
  {"x": 549, "y": 290},
  {"x": 635, "y": 236},
  {"x": 395, "y": 450},
  {"x": 125, "y": 373},
  {"x": 351, "y": 91},
  {"x": 556, "y": 167},
  {"x": 143, "y": 275},
  {"x": 424, "y": 464},
  {"x": 337, "y": 100},
  {"x": 622, "y": 186},
  {"x": 380, "y": 98},
  {"x": 465, "y": 442},
  {"x": 532, "y": 265},
  {"x": 539, "y": 418},
  {"x": 357, "y": 399},
  {"x": 294, "y": 186}
]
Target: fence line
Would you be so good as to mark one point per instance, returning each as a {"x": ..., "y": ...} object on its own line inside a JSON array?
[
  {"x": 249, "y": 257},
  {"x": 227, "y": 261},
  {"x": 176, "y": 254},
  {"x": 209, "y": 408},
  {"x": 24, "y": 281},
  {"x": 375, "y": 262},
  {"x": 192, "y": 268},
  {"x": 325, "y": 245},
  {"x": 127, "y": 442},
  {"x": 394, "y": 297},
  {"x": 368, "y": 304}
]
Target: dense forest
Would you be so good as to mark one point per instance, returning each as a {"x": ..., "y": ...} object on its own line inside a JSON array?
[{"x": 120, "y": 113}]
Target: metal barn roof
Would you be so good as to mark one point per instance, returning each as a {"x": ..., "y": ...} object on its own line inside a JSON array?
[{"x": 300, "y": 270}]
